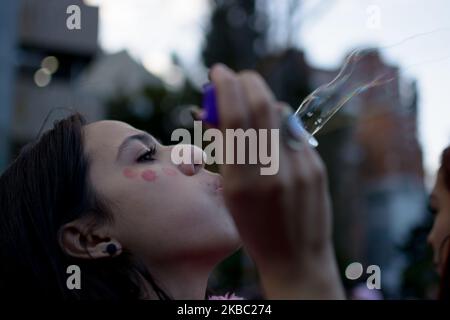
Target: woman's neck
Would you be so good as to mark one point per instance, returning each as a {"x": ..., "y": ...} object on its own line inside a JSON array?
[{"x": 181, "y": 280}]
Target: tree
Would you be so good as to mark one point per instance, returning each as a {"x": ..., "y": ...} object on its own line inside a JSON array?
[{"x": 236, "y": 36}]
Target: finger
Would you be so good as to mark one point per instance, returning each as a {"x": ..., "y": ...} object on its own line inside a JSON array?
[
  {"x": 233, "y": 112},
  {"x": 196, "y": 113},
  {"x": 262, "y": 104},
  {"x": 302, "y": 161},
  {"x": 263, "y": 117},
  {"x": 283, "y": 108}
]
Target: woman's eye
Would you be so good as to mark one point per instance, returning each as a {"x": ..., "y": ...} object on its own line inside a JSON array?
[{"x": 147, "y": 156}]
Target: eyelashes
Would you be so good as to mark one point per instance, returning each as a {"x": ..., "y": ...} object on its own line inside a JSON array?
[{"x": 147, "y": 156}]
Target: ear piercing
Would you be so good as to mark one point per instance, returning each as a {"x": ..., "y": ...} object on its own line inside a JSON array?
[{"x": 111, "y": 249}]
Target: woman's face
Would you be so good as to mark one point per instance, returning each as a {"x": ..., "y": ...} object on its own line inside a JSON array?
[
  {"x": 439, "y": 237},
  {"x": 162, "y": 211}
]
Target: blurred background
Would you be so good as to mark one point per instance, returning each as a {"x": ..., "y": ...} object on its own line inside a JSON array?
[{"x": 144, "y": 62}]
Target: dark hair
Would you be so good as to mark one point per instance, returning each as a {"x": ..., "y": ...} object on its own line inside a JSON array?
[
  {"x": 445, "y": 281},
  {"x": 45, "y": 187}
]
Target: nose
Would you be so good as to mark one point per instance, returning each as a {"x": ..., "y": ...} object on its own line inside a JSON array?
[{"x": 190, "y": 159}]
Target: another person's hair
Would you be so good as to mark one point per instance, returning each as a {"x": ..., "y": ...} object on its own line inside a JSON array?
[
  {"x": 445, "y": 281},
  {"x": 45, "y": 187}
]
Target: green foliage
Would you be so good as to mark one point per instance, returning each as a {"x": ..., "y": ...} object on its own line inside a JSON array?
[
  {"x": 154, "y": 109},
  {"x": 234, "y": 37}
]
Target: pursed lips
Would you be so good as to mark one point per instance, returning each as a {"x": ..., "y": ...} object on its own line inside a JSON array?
[
  {"x": 218, "y": 185},
  {"x": 215, "y": 184}
]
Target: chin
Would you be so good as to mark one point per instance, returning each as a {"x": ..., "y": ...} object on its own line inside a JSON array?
[
  {"x": 229, "y": 243},
  {"x": 230, "y": 249},
  {"x": 232, "y": 236}
]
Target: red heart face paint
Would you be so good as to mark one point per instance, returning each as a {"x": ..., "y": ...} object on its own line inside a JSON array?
[
  {"x": 149, "y": 175},
  {"x": 130, "y": 173},
  {"x": 169, "y": 171}
]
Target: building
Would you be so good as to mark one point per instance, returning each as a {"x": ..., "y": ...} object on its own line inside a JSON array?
[
  {"x": 58, "y": 70},
  {"x": 8, "y": 20},
  {"x": 49, "y": 59},
  {"x": 375, "y": 164},
  {"x": 371, "y": 152}
]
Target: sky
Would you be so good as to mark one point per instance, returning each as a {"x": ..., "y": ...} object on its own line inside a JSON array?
[{"x": 414, "y": 35}]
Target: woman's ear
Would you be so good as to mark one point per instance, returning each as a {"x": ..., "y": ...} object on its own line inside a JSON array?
[{"x": 82, "y": 239}]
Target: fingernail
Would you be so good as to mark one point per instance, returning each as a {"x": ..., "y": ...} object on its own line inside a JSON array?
[
  {"x": 220, "y": 67},
  {"x": 196, "y": 113},
  {"x": 295, "y": 126}
]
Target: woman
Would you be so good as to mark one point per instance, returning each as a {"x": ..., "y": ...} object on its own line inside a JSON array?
[
  {"x": 439, "y": 237},
  {"x": 107, "y": 198}
]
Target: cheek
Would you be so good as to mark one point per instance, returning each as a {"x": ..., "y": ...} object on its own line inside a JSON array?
[
  {"x": 149, "y": 175},
  {"x": 130, "y": 173},
  {"x": 169, "y": 172}
]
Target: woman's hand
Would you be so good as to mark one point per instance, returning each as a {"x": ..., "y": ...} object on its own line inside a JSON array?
[{"x": 284, "y": 219}]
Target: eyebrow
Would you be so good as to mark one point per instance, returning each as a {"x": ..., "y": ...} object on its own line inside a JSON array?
[{"x": 142, "y": 137}]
